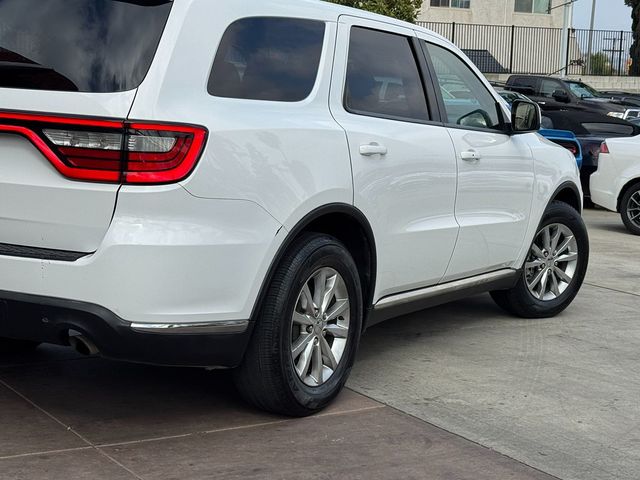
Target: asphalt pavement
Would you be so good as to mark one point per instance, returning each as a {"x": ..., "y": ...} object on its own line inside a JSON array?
[{"x": 461, "y": 391}]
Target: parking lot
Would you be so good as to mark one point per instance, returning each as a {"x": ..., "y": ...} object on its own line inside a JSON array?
[{"x": 461, "y": 391}]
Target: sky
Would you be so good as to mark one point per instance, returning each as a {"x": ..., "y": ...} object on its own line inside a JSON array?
[{"x": 610, "y": 14}]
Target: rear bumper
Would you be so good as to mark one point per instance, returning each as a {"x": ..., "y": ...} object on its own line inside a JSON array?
[{"x": 46, "y": 319}]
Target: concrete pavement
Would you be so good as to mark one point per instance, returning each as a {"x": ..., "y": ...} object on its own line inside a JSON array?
[{"x": 462, "y": 391}]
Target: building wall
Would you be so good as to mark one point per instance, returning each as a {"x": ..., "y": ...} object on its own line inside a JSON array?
[{"x": 491, "y": 12}]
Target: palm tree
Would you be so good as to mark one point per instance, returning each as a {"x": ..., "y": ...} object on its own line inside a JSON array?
[{"x": 635, "y": 48}]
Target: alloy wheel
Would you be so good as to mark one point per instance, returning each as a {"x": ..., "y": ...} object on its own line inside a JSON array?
[
  {"x": 633, "y": 209},
  {"x": 320, "y": 326},
  {"x": 552, "y": 262}
]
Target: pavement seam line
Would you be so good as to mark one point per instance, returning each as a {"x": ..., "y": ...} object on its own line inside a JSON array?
[
  {"x": 46, "y": 452},
  {"x": 239, "y": 427},
  {"x": 611, "y": 289},
  {"x": 67, "y": 427},
  {"x": 397, "y": 410}
]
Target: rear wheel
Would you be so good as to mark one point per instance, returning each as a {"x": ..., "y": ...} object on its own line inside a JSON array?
[
  {"x": 630, "y": 209},
  {"x": 307, "y": 332},
  {"x": 9, "y": 345},
  {"x": 554, "y": 268}
]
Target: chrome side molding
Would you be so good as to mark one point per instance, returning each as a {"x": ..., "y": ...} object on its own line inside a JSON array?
[
  {"x": 208, "y": 328},
  {"x": 414, "y": 300}
]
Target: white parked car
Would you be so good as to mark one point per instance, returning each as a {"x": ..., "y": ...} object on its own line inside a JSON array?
[
  {"x": 616, "y": 184},
  {"x": 251, "y": 183}
]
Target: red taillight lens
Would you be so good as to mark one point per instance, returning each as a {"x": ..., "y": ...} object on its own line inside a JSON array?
[
  {"x": 106, "y": 151},
  {"x": 569, "y": 146},
  {"x": 604, "y": 148}
]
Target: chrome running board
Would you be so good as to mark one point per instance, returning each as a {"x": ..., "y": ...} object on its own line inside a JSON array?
[{"x": 208, "y": 328}]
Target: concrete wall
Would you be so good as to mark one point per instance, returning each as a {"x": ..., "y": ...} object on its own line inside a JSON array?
[
  {"x": 628, "y": 84},
  {"x": 491, "y": 12}
]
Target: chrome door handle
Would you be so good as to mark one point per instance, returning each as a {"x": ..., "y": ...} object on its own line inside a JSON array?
[
  {"x": 470, "y": 155},
  {"x": 373, "y": 148}
]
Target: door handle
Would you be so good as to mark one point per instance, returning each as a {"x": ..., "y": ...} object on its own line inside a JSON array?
[
  {"x": 372, "y": 149},
  {"x": 470, "y": 155}
]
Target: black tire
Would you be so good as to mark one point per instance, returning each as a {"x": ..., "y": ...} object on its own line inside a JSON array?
[
  {"x": 267, "y": 377},
  {"x": 9, "y": 345},
  {"x": 519, "y": 300},
  {"x": 629, "y": 202}
]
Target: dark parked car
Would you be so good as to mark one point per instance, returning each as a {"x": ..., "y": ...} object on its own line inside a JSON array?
[
  {"x": 626, "y": 98},
  {"x": 591, "y": 129},
  {"x": 562, "y": 94}
]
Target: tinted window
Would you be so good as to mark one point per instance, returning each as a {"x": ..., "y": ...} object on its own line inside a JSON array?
[
  {"x": 382, "y": 77},
  {"x": 273, "y": 59},
  {"x": 523, "y": 85},
  {"x": 79, "y": 45},
  {"x": 547, "y": 87},
  {"x": 467, "y": 101}
]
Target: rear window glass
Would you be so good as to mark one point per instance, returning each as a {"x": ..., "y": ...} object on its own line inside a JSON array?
[
  {"x": 274, "y": 59},
  {"x": 79, "y": 45}
]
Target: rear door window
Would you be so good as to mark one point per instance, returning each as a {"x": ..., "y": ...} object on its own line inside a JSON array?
[
  {"x": 79, "y": 45},
  {"x": 383, "y": 79},
  {"x": 275, "y": 59}
]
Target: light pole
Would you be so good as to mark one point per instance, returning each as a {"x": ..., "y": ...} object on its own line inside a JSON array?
[
  {"x": 591, "y": 26},
  {"x": 568, "y": 17}
]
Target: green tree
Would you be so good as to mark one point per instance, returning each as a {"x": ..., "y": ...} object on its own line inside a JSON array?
[
  {"x": 406, "y": 10},
  {"x": 635, "y": 48},
  {"x": 599, "y": 64}
]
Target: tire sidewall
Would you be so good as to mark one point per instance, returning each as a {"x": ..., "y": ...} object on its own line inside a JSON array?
[
  {"x": 632, "y": 227},
  {"x": 333, "y": 255}
]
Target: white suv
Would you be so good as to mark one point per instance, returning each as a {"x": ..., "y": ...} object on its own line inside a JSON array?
[{"x": 251, "y": 183}]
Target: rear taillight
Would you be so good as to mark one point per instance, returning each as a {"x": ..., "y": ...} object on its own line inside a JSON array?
[
  {"x": 108, "y": 151},
  {"x": 604, "y": 148},
  {"x": 570, "y": 146}
]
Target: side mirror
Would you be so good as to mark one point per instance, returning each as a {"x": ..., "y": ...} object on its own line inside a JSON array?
[
  {"x": 525, "y": 117},
  {"x": 561, "y": 96}
]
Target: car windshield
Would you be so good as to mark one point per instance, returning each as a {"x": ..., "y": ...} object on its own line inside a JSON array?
[{"x": 582, "y": 90}]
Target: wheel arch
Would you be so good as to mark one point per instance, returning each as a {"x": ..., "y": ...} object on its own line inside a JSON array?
[
  {"x": 630, "y": 184},
  {"x": 349, "y": 225},
  {"x": 568, "y": 193}
]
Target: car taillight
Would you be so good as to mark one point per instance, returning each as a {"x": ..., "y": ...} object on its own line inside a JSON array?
[
  {"x": 604, "y": 148},
  {"x": 570, "y": 146},
  {"x": 110, "y": 151}
]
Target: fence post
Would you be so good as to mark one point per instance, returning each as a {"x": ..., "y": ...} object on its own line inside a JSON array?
[
  {"x": 453, "y": 32},
  {"x": 513, "y": 38},
  {"x": 620, "y": 54},
  {"x": 566, "y": 67}
]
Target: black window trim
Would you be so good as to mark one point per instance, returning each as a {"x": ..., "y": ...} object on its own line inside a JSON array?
[
  {"x": 425, "y": 80},
  {"x": 505, "y": 125}
]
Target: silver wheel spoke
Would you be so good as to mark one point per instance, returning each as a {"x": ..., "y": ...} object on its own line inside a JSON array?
[
  {"x": 546, "y": 239},
  {"x": 534, "y": 263},
  {"x": 316, "y": 364},
  {"x": 536, "y": 251},
  {"x": 570, "y": 257},
  {"x": 319, "y": 283},
  {"x": 563, "y": 276},
  {"x": 307, "y": 300},
  {"x": 338, "y": 308},
  {"x": 537, "y": 279},
  {"x": 328, "y": 294},
  {"x": 302, "y": 319},
  {"x": 331, "y": 362},
  {"x": 302, "y": 365},
  {"x": 554, "y": 285},
  {"x": 543, "y": 283},
  {"x": 336, "y": 331},
  {"x": 564, "y": 245},
  {"x": 300, "y": 344},
  {"x": 555, "y": 240}
]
